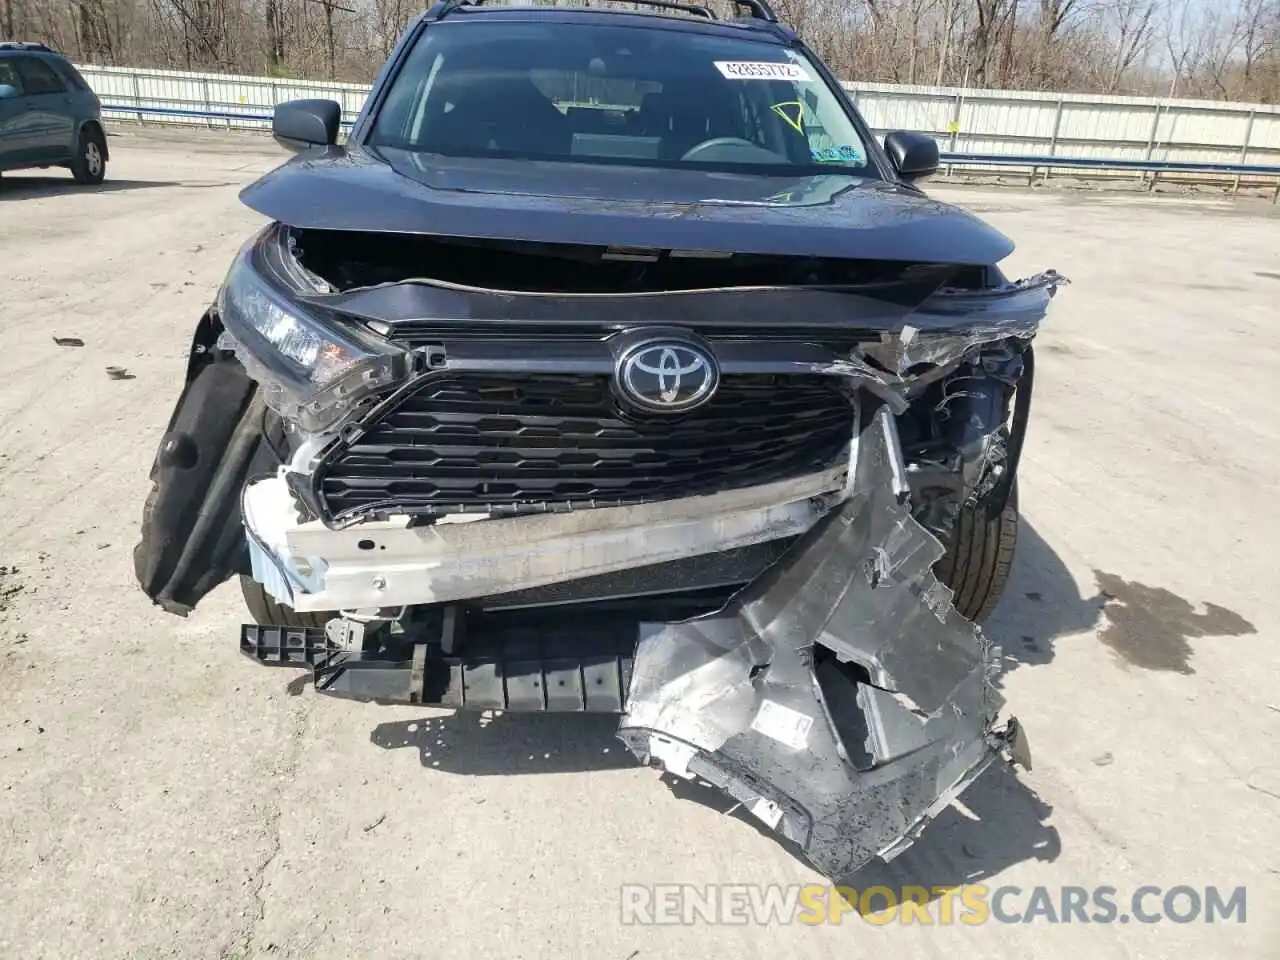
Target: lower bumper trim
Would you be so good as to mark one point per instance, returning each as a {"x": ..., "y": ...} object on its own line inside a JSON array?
[{"x": 570, "y": 675}]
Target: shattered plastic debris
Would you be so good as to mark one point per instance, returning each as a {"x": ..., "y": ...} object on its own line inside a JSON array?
[
  {"x": 953, "y": 323},
  {"x": 841, "y": 697}
]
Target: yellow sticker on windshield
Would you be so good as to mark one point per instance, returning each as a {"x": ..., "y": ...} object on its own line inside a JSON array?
[
  {"x": 791, "y": 111},
  {"x": 763, "y": 70}
]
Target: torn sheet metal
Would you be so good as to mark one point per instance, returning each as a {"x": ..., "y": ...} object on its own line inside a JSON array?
[
  {"x": 955, "y": 323},
  {"x": 841, "y": 696},
  {"x": 391, "y": 562}
]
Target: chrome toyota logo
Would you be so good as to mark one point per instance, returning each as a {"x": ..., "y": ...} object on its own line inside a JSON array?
[{"x": 667, "y": 376}]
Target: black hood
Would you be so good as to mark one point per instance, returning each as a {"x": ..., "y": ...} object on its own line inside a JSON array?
[{"x": 829, "y": 215}]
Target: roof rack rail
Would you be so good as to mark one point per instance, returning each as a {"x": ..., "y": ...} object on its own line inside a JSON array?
[
  {"x": 446, "y": 7},
  {"x": 696, "y": 9},
  {"x": 25, "y": 45},
  {"x": 760, "y": 9}
]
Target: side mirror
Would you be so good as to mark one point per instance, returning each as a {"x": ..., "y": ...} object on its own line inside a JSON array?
[
  {"x": 914, "y": 155},
  {"x": 8, "y": 91},
  {"x": 300, "y": 124}
]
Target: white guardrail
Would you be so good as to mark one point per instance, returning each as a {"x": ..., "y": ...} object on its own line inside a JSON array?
[{"x": 991, "y": 123}]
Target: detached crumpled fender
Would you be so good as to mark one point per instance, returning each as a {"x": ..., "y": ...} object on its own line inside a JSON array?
[{"x": 841, "y": 697}]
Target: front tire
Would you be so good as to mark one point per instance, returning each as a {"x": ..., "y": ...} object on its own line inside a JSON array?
[
  {"x": 980, "y": 557},
  {"x": 267, "y": 612},
  {"x": 89, "y": 164}
]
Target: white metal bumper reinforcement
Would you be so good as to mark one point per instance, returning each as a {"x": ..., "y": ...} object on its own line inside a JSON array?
[{"x": 390, "y": 564}]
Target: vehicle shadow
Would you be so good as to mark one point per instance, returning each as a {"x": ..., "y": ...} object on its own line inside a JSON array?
[
  {"x": 1041, "y": 603},
  {"x": 999, "y": 821},
  {"x": 1004, "y": 822},
  {"x": 21, "y": 188},
  {"x": 484, "y": 744}
]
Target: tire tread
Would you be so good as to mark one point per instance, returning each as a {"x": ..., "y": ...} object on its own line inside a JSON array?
[
  {"x": 979, "y": 558},
  {"x": 268, "y": 612}
]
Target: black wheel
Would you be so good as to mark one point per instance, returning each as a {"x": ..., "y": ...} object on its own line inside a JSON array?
[
  {"x": 266, "y": 611},
  {"x": 89, "y": 164},
  {"x": 978, "y": 559}
]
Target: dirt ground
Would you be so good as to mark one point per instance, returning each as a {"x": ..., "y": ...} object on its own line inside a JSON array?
[{"x": 161, "y": 796}]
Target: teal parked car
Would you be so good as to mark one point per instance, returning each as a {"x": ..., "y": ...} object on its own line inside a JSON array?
[{"x": 48, "y": 115}]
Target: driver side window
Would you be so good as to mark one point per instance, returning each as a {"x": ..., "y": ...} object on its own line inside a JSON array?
[
  {"x": 823, "y": 148},
  {"x": 774, "y": 119},
  {"x": 9, "y": 76}
]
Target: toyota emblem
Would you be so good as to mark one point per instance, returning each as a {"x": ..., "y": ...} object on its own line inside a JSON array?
[{"x": 667, "y": 377}]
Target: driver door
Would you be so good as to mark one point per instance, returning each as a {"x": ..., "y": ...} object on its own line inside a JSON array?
[
  {"x": 13, "y": 138},
  {"x": 47, "y": 104}
]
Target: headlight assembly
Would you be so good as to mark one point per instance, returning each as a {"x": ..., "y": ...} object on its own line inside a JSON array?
[{"x": 312, "y": 367}]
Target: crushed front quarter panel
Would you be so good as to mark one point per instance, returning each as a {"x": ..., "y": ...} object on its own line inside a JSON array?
[{"x": 840, "y": 697}]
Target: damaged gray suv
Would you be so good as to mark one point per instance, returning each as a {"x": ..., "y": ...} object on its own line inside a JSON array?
[{"x": 611, "y": 364}]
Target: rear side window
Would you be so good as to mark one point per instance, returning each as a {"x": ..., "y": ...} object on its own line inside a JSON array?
[
  {"x": 38, "y": 77},
  {"x": 70, "y": 74}
]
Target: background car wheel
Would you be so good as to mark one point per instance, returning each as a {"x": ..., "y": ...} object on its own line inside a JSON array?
[
  {"x": 266, "y": 611},
  {"x": 980, "y": 556},
  {"x": 89, "y": 165}
]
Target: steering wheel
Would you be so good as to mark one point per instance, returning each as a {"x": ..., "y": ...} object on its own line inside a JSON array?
[{"x": 736, "y": 146}]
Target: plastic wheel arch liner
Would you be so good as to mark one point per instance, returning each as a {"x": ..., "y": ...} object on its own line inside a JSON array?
[{"x": 841, "y": 697}]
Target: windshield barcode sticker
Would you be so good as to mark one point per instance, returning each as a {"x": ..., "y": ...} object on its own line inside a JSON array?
[
  {"x": 783, "y": 724},
  {"x": 762, "y": 70}
]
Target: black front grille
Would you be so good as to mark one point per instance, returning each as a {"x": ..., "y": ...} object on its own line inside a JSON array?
[{"x": 523, "y": 444}]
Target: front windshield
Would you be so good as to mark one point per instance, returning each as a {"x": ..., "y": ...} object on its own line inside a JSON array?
[{"x": 619, "y": 94}]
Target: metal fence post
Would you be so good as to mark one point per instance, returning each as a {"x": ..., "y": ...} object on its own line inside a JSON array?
[
  {"x": 208, "y": 100},
  {"x": 1151, "y": 145},
  {"x": 955, "y": 127},
  {"x": 1053, "y": 138},
  {"x": 1244, "y": 150},
  {"x": 137, "y": 93}
]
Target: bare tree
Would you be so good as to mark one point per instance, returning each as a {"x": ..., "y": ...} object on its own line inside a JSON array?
[
  {"x": 93, "y": 31},
  {"x": 390, "y": 19},
  {"x": 1177, "y": 29},
  {"x": 1051, "y": 19},
  {"x": 1256, "y": 19},
  {"x": 1132, "y": 24},
  {"x": 274, "y": 21},
  {"x": 950, "y": 18},
  {"x": 992, "y": 17},
  {"x": 1227, "y": 49}
]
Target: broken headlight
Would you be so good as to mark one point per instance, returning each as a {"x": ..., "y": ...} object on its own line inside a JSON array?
[{"x": 311, "y": 366}]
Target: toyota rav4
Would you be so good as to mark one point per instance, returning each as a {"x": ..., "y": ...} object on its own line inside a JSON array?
[{"x": 610, "y": 363}]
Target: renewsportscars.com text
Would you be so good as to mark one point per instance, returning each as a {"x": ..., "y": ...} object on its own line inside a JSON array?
[{"x": 968, "y": 905}]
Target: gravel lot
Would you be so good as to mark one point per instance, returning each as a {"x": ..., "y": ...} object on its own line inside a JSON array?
[{"x": 161, "y": 796}]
